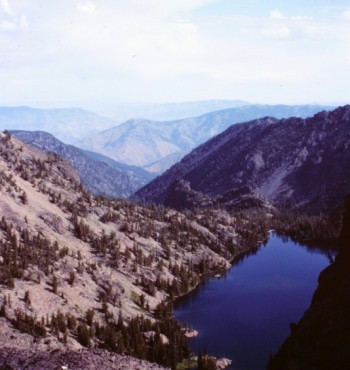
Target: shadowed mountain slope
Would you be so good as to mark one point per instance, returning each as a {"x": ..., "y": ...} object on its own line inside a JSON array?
[
  {"x": 157, "y": 145},
  {"x": 320, "y": 340},
  {"x": 294, "y": 162},
  {"x": 99, "y": 174}
]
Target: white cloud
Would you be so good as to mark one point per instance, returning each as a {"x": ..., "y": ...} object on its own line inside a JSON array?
[
  {"x": 346, "y": 14},
  {"x": 276, "y": 14},
  {"x": 22, "y": 21},
  {"x": 166, "y": 50},
  {"x": 87, "y": 7},
  {"x": 6, "y": 7},
  {"x": 11, "y": 21},
  {"x": 6, "y": 25},
  {"x": 280, "y": 26},
  {"x": 187, "y": 27},
  {"x": 164, "y": 7},
  {"x": 301, "y": 18},
  {"x": 278, "y": 32}
]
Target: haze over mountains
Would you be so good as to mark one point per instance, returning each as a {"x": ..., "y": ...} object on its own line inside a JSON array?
[
  {"x": 163, "y": 112},
  {"x": 67, "y": 124},
  {"x": 157, "y": 145},
  {"x": 294, "y": 162},
  {"x": 72, "y": 124},
  {"x": 99, "y": 174},
  {"x": 154, "y": 145}
]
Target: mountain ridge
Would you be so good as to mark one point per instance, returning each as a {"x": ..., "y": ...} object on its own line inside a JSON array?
[
  {"x": 127, "y": 142},
  {"x": 67, "y": 124},
  {"x": 100, "y": 175},
  {"x": 280, "y": 159},
  {"x": 81, "y": 274},
  {"x": 164, "y": 111}
]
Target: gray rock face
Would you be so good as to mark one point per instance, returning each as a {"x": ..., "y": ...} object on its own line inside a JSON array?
[
  {"x": 11, "y": 358},
  {"x": 292, "y": 162},
  {"x": 98, "y": 174},
  {"x": 154, "y": 144}
]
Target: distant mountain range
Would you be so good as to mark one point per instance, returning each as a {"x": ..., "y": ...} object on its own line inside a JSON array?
[
  {"x": 162, "y": 112},
  {"x": 72, "y": 124},
  {"x": 157, "y": 145},
  {"x": 68, "y": 125},
  {"x": 295, "y": 162},
  {"x": 99, "y": 174}
]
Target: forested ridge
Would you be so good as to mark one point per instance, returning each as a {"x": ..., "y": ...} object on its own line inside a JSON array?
[{"x": 78, "y": 270}]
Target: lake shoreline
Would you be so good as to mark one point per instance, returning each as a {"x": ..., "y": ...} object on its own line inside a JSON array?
[{"x": 236, "y": 303}]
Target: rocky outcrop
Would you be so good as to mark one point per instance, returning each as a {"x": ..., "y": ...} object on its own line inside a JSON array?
[
  {"x": 181, "y": 196},
  {"x": 30, "y": 359},
  {"x": 242, "y": 199}
]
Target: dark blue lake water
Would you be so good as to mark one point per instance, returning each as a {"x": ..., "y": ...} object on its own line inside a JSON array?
[{"x": 245, "y": 315}]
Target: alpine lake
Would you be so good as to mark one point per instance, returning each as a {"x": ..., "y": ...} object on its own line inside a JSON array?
[{"x": 245, "y": 314}]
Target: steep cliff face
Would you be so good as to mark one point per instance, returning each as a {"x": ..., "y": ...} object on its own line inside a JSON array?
[
  {"x": 297, "y": 163},
  {"x": 321, "y": 339}
]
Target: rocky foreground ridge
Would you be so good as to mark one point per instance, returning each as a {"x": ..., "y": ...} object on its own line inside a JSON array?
[
  {"x": 87, "y": 273},
  {"x": 99, "y": 174},
  {"x": 82, "y": 359}
]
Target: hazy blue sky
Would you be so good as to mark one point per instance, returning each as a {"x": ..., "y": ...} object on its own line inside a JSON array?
[{"x": 72, "y": 52}]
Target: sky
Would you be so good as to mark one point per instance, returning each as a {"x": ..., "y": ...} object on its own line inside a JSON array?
[{"x": 81, "y": 52}]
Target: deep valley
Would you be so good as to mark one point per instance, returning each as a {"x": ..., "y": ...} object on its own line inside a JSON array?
[{"x": 91, "y": 278}]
